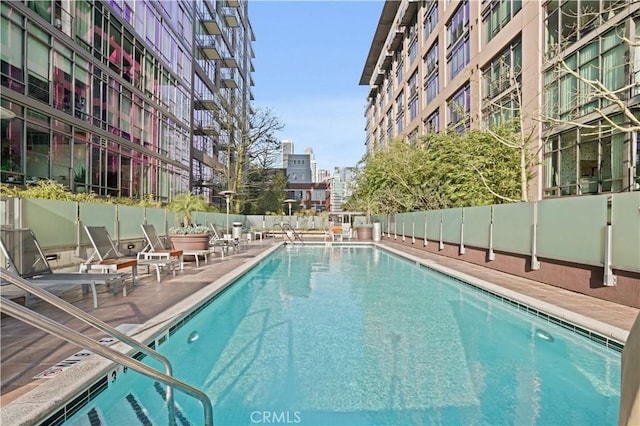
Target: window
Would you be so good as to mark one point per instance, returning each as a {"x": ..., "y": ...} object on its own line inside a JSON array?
[
  {"x": 432, "y": 123},
  {"x": 501, "y": 80},
  {"x": 458, "y": 52},
  {"x": 585, "y": 161},
  {"x": 413, "y": 50},
  {"x": 602, "y": 60},
  {"x": 430, "y": 18},
  {"x": 570, "y": 20},
  {"x": 400, "y": 113},
  {"x": 413, "y": 96},
  {"x": 636, "y": 67},
  {"x": 431, "y": 74},
  {"x": 399, "y": 72},
  {"x": 496, "y": 14},
  {"x": 459, "y": 108},
  {"x": 11, "y": 51},
  {"x": 38, "y": 64}
]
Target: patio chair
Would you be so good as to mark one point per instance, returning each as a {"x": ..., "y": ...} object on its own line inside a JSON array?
[
  {"x": 157, "y": 249},
  {"x": 25, "y": 257},
  {"x": 109, "y": 258},
  {"x": 224, "y": 243}
]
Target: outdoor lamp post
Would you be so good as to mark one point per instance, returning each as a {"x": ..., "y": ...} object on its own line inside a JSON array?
[
  {"x": 227, "y": 195},
  {"x": 289, "y": 201}
]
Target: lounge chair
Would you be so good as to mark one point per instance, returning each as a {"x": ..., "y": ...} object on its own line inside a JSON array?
[
  {"x": 224, "y": 243},
  {"x": 109, "y": 258},
  {"x": 25, "y": 257},
  {"x": 156, "y": 249}
]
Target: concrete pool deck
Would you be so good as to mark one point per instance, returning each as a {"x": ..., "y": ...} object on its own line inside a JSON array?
[{"x": 26, "y": 352}]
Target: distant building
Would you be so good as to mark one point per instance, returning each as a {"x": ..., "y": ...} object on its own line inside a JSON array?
[
  {"x": 323, "y": 175},
  {"x": 341, "y": 184},
  {"x": 299, "y": 168},
  {"x": 312, "y": 163},
  {"x": 287, "y": 150},
  {"x": 312, "y": 196}
]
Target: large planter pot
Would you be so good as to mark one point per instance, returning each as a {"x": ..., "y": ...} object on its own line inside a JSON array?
[
  {"x": 365, "y": 233},
  {"x": 188, "y": 242}
]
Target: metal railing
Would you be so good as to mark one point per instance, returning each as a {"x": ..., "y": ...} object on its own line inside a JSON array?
[
  {"x": 288, "y": 232},
  {"x": 46, "y": 324}
]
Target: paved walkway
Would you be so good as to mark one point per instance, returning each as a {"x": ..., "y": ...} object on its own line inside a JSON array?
[{"x": 26, "y": 352}]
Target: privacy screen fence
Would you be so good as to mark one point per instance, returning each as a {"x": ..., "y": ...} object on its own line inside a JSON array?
[{"x": 600, "y": 230}]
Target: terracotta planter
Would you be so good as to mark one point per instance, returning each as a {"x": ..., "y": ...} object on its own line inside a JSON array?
[{"x": 190, "y": 241}]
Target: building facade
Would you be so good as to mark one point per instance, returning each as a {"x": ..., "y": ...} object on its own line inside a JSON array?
[
  {"x": 341, "y": 187},
  {"x": 122, "y": 98},
  {"x": 455, "y": 65}
]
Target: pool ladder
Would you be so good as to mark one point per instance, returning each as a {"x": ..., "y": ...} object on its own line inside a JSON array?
[
  {"x": 288, "y": 232},
  {"x": 37, "y": 320}
]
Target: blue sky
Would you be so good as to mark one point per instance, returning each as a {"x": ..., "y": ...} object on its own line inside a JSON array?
[{"x": 309, "y": 59}]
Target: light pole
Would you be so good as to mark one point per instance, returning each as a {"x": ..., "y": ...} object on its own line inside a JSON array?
[
  {"x": 227, "y": 195},
  {"x": 289, "y": 201}
]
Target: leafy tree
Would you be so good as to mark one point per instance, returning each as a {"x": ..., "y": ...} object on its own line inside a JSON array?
[
  {"x": 266, "y": 189},
  {"x": 438, "y": 171}
]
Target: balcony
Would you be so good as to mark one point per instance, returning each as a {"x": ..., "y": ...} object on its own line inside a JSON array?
[
  {"x": 229, "y": 63},
  {"x": 386, "y": 62},
  {"x": 232, "y": 3},
  {"x": 231, "y": 21},
  {"x": 228, "y": 83},
  {"x": 379, "y": 78},
  {"x": 210, "y": 52},
  {"x": 226, "y": 79},
  {"x": 205, "y": 130},
  {"x": 408, "y": 14},
  {"x": 396, "y": 41},
  {"x": 212, "y": 27},
  {"x": 208, "y": 104}
]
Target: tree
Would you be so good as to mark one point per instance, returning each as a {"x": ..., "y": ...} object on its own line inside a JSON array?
[
  {"x": 505, "y": 120},
  {"x": 266, "y": 190},
  {"x": 438, "y": 171},
  {"x": 249, "y": 144}
]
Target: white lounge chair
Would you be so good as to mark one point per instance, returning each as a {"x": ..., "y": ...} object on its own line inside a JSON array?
[
  {"x": 25, "y": 257},
  {"x": 108, "y": 257},
  {"x": 157, "y": 249},
  {"x": 223, "y": 242}
]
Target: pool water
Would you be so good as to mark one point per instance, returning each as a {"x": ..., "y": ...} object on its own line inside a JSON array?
[{"x": 356, "y": 335}]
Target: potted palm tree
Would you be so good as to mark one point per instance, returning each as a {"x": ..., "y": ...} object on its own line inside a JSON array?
[{"x": 187, "y": 236}]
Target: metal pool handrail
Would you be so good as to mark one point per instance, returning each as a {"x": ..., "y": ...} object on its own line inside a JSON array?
[
  {"x": 46, "y": 324},
  {"x": 286, "y": 228}
]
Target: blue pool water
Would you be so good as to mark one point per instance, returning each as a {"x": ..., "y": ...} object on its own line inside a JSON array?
[{"x": 350, "y": 336}]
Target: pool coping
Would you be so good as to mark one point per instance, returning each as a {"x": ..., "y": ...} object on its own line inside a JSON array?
[
  {"x": 78, "y": 381},
  {"x": 606, "y": 330}
]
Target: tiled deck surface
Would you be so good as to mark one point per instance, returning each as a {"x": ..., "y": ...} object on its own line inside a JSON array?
[{"x": 26, "y": 352}]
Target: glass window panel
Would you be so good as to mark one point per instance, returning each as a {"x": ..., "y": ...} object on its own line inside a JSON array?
[
  {"x": 11, "y": 154},
  {"x": 84, "y": 21},
  {"x": 37, "y": 143},
  {"x": 613, "y": 66}
]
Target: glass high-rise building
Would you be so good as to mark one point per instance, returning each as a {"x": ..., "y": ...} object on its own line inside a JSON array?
[{"x": 123, "y": 98}]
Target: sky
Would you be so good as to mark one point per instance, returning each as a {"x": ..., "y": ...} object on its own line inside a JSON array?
[{"x": 309, "y": 57}]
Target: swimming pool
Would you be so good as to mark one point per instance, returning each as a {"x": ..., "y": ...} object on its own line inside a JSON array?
[{"x": 357, "y": 335}]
